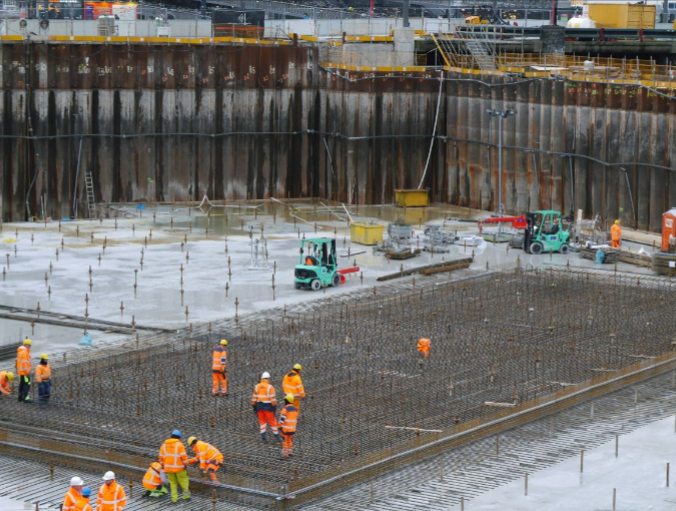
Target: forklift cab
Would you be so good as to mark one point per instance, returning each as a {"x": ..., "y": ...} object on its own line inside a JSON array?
[
  {"x": 545, "y": 232},
  {"x": 317, "y": 267}
]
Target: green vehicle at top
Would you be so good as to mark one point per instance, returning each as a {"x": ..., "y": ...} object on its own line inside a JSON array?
[
  {"x": 317, "y": 266},
  {"x": 545, "y": 233}
]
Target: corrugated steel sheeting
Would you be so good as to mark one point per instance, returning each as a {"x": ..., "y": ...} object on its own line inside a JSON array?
[{"x": 168, "y": 107}]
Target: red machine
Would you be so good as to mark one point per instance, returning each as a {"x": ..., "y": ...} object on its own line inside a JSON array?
[
  {"x": 669, "y": 231},
  {"x": 518, "y": 222}
]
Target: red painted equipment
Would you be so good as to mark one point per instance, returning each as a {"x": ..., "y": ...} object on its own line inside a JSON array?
[
  {"x": 347, "y": 271},
  {"x": 518, "y": 222},
  {"x": 669, "y": 231}
]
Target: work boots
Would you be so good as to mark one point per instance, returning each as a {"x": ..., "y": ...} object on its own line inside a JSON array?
[
  {"x": 278, "y": 437},
  {"x": 264, "y": 437}
]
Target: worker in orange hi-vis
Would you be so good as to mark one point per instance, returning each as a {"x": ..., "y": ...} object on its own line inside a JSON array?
[
  {"x": 616, "y": 234},
  {"x": 6, "y": 378},
  {"x": 424, "y": 347},
  {"x": 23, "y": 368},
  {"x": 219, "y": 366},
  {"x": 288, "y": 420},
  {"x": 111, "y": 494},
  {"x": 74, "y": 493},
  {"x": 264, "y": 402},
  {"x": 293, "y": 384},
  {"x": 209, "y": 458}
]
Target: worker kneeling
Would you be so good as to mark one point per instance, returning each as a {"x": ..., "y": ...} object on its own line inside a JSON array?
[
  {"x": 209, "y": 458},
  {"x": 154, "y": 481},
  {"x": 287, "y": 422},
  {"x": 424, "y": 347}
]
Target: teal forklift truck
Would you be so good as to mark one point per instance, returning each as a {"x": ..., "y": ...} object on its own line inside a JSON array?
[
  {"x": 543, "y": 231},
  {"x": 318, "y": 265}
]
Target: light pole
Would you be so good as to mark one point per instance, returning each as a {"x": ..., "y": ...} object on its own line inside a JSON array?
[{"x": 500, "y": 114}]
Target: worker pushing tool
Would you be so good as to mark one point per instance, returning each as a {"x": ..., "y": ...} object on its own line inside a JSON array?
[
  {"x": 174, "y": 460},
  {"x": 154, "y": 480},
  {"x": 288, "y": 420},
  {"x": 43, "y": 375},
  {"x": 424, "y": 347},
  {"x": 23, "y": 369},
  {"x": 111, "y": 495},
  {"x": 74, "y": 493},
  {"x": 293, "y": 384},
  {"x": 264, "y": 402},
  {"x": 6, "y": 377},
  {"x": 616, "y": 234},
  {"x": 219, "y": 366},
  {"x": 209, "y": 458}
]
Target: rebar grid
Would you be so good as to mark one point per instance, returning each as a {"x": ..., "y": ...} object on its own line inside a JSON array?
[{"x": 504, "y": 338}]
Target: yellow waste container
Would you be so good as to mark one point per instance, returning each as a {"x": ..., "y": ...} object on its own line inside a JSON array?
[
  {"x": 366, "y": 234},
  {"x": 410, "y": 198}
]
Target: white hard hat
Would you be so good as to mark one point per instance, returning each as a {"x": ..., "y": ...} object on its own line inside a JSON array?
[
  {"x": 76, "y": 481},
  {"x": 109, "y": 476},
  {"x": 265, "y": 375}
]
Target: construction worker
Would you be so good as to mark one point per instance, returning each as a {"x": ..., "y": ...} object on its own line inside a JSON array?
[
  {"x": 616, "y": 234},
  {"x": 43, "y": 375},
  {"x": 424, "y": 347},
  {"x": 287, "y": 422},
  {"x": 111, "y": 495},
  {"x": 73, "y": 496},
  {"x": 209, "y": 458},
  {"x": 154, "y": 480},
  {"x": 292, "y": 384},
  {"x": 264, "y": 402},
  {"x": 6, "y": 378},
  {"x": 23, "y": 368},
  {"x": 219, "y": 363},
  {"x": 174, "y": 461},
  {"x": 83, "y": 503}
]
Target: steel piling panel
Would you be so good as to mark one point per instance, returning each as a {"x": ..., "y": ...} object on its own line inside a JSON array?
[{"x": 177, "y": 122}]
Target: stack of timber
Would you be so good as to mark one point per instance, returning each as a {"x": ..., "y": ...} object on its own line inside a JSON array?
[
  {"x": 664, "y": 264},
  {"x": 430, "y": 269}
]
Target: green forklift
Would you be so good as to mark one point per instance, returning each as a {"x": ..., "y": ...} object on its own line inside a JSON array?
[
  {"x": 543, "y": 231},
  {"x": 318, "y": 266}
]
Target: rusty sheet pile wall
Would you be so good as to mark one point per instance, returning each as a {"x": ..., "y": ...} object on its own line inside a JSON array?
[{"x": 177, "y": 122}]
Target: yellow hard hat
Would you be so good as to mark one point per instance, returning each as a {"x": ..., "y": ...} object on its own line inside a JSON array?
[
  {"x": 44, "y": 356},
  {"x": 10, "y": 376},
  {"x": 191, "y": 440},
  {"x": 27, "y": 342},
  {"x": 290, "y": 398},
  {"x": 617, "y": 222},
  {"x": 298, "y": 367},
  {"x": 224, "y": 342}
]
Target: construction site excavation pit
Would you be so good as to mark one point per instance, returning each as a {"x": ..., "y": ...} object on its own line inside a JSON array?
[{"x": 502, "y": 342}]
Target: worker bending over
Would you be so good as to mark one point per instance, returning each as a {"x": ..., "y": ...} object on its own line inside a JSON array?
[
  {"x": 616, "y": 234},
  {"x": 23, "y": 368},
  {"x": 288, "y": 420},
  {"x": 219, "y": 363},
  {"x": 209, "y": 458},
  {"x": 73, "y": 496},
  {"x": 174, "y": 460},
  {"x": 424, "y": 347},
  {"x": 6, "y": 377},
  {"x": 83, "y": 502},
  {"x": 293, "y": 384},
  {"x": 154, "y": 480},
  {"x": 264, "y": 402},
  {"x": 111, "y": 495},
  {"x": 43, "y": 375}
]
